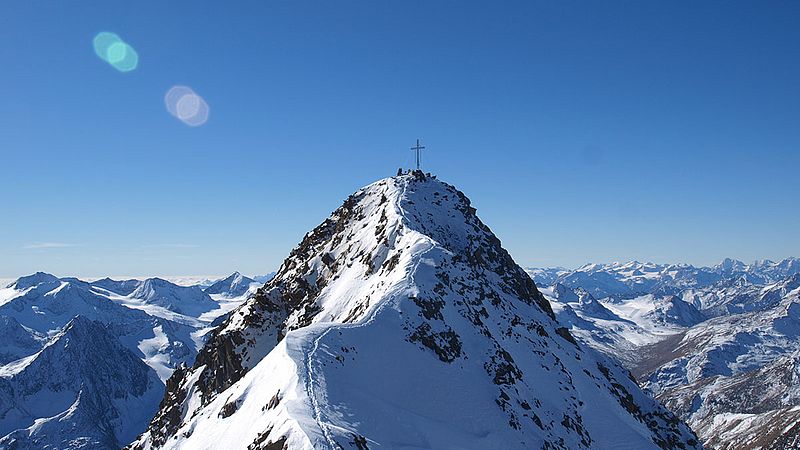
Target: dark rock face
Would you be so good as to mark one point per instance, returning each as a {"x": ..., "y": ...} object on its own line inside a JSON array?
[
  {"x": 169, "y": 412},
  {"x": 789, "y": 439}
]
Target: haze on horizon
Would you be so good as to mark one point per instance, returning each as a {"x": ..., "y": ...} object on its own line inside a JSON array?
[{"x": 581, "y": 132}]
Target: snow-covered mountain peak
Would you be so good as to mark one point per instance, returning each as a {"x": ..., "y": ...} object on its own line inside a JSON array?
[
  {"x": 234, "y": 285},
  {"x": 789, "y": 284},
  {"x": 374, "y": 328},
  {"x": 84, "y": 343},
  {"x": 187, "y": 300},
  {"x": 789, "y": 264},
  {"x": 148, "y": 286},
  {"x": 120, "y": 287},
  {"x": 589, "y": 267},
  {"x": 731, "y": 265},
  {"x": 564, "y": 294},
  {"x": 36, "y": 279}
]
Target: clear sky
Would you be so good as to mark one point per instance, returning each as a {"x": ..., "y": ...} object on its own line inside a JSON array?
[{"x": 582, "y": 131}]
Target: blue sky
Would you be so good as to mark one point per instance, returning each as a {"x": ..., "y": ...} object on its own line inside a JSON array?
[{"x": 582, "y": 131}]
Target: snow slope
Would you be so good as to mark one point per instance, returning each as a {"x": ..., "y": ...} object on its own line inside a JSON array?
[
  {"x": 82, "y": 390},
  {"x": 400, "y": 322}
]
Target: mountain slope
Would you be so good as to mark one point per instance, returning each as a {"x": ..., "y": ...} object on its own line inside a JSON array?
[
  {"x": 63, "y": 397},
  {"x": 40, "y": 306},
  {"x": 45, "y": 304},
  {"x": 735, "y": 378},
  {"x": 16, "y": 341},
  {"x": 401, "y": 322},
  {"x": 748, "y": 410}
]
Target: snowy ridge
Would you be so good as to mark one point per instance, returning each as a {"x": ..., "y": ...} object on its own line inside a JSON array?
[{"x": 394, "y": 307}]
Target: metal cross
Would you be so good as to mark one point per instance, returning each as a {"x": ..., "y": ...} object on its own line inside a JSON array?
[{"x": 417, "y": 148}]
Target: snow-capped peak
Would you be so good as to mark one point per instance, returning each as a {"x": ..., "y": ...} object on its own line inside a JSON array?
[
  {"x": 36, "y": 279},
  {"x": 234, "y": 285},
  {"x": 187, "y": 300},
  {"x": 731, "y": 265},
  {"x": 376, "y": 326}
]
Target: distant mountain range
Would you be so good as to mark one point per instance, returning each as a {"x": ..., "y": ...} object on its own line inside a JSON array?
[
  {"x": 628, "y": 280},
  {"x": 718, "y": 345},
  {"x": 83, "y": 364}
]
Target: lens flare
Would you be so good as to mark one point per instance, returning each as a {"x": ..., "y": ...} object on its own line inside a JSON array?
[
  {"x": 186, "y": 106},
  {"x": 116, "y": 52},
  {"x": 103, "y": 41}
]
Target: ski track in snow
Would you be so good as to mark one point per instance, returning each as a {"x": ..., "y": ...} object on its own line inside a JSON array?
[{"x": 309, "y": 371}]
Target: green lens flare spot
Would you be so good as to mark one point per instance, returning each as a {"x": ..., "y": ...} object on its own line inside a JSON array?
[
  {"x": 128, "y": 61},
  {"x": 102, "y": 42},
  {"x": 116, "y": 52}
]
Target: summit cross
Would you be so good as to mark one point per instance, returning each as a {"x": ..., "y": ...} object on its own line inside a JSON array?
[{"x": 417, "y": 148}]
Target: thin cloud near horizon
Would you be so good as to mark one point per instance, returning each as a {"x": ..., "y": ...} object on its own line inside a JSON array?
[
  {"x": 48, "y": 245},
  {"x": 171, "y": 246}
]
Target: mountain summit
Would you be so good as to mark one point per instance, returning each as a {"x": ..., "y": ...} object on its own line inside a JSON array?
[
  {"x": 234, "y": 286},
  {"x": 401, "y": 322}
]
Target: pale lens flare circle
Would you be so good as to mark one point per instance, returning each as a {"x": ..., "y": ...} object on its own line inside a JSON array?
[
  {"x": 200, "y": 116},
  {"x": 173, "y": 96},
  {"x": 188, "y": 106},
  {"x": 185, "y": 105}
]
